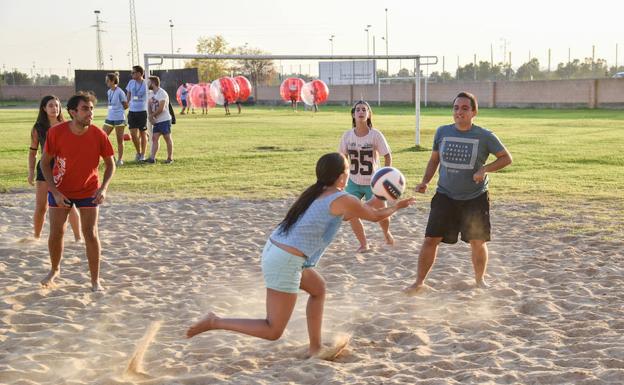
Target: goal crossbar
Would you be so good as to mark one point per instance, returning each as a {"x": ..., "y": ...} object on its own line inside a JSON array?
[{"x": 419, "y": 60}]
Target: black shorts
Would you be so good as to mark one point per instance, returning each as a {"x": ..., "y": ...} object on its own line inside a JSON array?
[
  {"x": 137, "y": 119},
  {"x": 40, "y": 177},
  {"x": 449, "y": 217}
]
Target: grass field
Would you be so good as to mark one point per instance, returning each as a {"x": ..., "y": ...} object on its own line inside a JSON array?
[{"x": 572, "y": 156}]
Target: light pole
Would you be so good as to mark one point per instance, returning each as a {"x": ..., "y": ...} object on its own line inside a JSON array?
[
  {"x": 331, "y": 44},
  {"x": 386, "y": 39},
  {"x": 367, "y": 30},
  {"x": 171, "y": 28}
]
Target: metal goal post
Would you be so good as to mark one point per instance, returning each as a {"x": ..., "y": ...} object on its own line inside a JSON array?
[{"x": 419, "y": 60}]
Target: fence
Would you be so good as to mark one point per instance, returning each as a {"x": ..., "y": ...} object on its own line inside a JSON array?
[{"x": 584, "y": 93}]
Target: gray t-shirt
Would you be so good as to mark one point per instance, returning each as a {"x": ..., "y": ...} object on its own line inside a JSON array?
[{"x": 462, "y": 153}]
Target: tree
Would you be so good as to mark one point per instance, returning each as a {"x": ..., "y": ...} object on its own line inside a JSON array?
[
  {"x": 210, "y": 69},
  {"x": 435, "y": 76},
  {"x": 403, "y": 73},
  {"x": 16, "y": 78},
  {"x": 382, "y": 74},
  {"x": 260, "y": 71},
  {"x": 530, "y": 71}
]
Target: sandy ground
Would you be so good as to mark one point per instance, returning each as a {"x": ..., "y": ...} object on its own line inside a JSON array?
[{"x": 554, "y": 313}]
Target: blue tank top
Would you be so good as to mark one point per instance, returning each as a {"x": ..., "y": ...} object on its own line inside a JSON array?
[{"x": 314, "y": 230}]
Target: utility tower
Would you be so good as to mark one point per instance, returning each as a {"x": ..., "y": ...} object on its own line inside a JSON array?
[
  {"x": 134, "y": 40},
  {"x": 98, "y": 41}
]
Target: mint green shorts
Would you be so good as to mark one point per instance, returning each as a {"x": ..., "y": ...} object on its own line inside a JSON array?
[
  {"x": 281, "y": 270},
  {"x": 359, "y": 190}
]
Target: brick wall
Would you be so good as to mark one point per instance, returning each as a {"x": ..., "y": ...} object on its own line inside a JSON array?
[{"x": 587, "y": 93}]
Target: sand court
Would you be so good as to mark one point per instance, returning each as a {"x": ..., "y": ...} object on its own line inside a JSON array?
[{"x": 554, "y": 313}]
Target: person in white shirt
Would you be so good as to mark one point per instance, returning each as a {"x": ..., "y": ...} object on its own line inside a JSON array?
[
  {"x": 363, "y": 145},
  {"x": 158, "y": 115}
]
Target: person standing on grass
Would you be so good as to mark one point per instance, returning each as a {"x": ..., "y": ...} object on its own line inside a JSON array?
[
  {"x": 295, "y": 247},
  {"x": 363, "y": 145},
  {"x": 76, "y": 148},
  {"x": 184, "y": 98},
  {"x": 137, "y": 113},
  {"x": 116, "y": 119},
  {"x": 160, "y": 117},
  {"x": 461, "y": 203},
  {"x": 50, "y": 114}
]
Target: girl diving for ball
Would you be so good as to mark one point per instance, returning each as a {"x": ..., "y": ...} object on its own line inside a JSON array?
[{"x": 293, "y": 250}]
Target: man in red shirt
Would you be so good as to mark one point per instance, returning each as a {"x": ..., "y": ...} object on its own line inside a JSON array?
[{"x": 76, "y": 147}]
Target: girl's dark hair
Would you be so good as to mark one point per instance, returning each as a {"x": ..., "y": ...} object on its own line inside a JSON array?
[
  {"x": 42, "y": 124},
  {"x": 369, "y": 120},
  {"x": 328, "y": 168}
]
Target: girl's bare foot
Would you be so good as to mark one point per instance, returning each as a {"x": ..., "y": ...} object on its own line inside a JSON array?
[
  {"x": 389, "y": 239},
  {"x": 95, "y": 286},
  {"x": 203, "y": 325},
  {"x": 363, "y": 249},
  {"x": 48, "y": 281},
  {"x": 330, "y": 353},
  {"x": 414, "y": 289}
]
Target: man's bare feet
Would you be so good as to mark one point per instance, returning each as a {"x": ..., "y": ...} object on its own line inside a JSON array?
[
  {"x": 48, "y": 281},
  {"x": 414, "y": 289},
  {"x": 95, "y": 286},
  {"x": 482, "y": 284},
  {"x": 363, "y": 249},
  {"x": 203, "y": 325}
]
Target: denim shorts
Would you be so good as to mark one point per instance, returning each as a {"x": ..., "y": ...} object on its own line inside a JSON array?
[
  {"x": 281, "y": 270},
  {"x": 359, "y": 190},
  {"x": 163, "y": 127},
  {"x": 115, "y": 123}
]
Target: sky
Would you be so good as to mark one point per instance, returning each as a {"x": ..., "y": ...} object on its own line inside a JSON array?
[{"x": 43, "y": 37}]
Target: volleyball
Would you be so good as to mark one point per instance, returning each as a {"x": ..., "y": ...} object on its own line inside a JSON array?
[{"x": 388, "y": 183}]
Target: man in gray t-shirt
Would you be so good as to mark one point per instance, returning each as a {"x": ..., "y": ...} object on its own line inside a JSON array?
[{"x": 461, "y": 203}]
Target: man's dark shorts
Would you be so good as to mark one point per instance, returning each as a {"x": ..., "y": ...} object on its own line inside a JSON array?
[
  {"x": 40, "y": 177},
  {"x": 85, "y": 202},
  {"x": 137, "y": 119},
  {"x": 449, "y": 217}
]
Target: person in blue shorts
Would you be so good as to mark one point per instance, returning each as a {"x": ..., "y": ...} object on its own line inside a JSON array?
[
  {"x": 461, "y": 203},
  {"x": 295, "y": 247},
  {"x": 160, "y": 117},
  {"x": 116, "y": 119},
  {"x": 184, "y": 98}
]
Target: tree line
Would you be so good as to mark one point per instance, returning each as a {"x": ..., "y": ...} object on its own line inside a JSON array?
[{"x": 264, "y": 71}]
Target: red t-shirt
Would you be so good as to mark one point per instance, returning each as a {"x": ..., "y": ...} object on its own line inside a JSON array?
[{"x": 76, "y": 159}]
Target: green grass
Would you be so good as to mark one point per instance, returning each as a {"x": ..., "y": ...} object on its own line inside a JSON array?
[{"x": 559, "y": 156}]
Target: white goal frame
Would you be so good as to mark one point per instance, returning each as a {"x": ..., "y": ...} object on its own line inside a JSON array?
[{"x": 418, "y": 62}]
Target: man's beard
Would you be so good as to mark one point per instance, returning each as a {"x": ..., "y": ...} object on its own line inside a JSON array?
[{"x": 84, "y": 122}]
